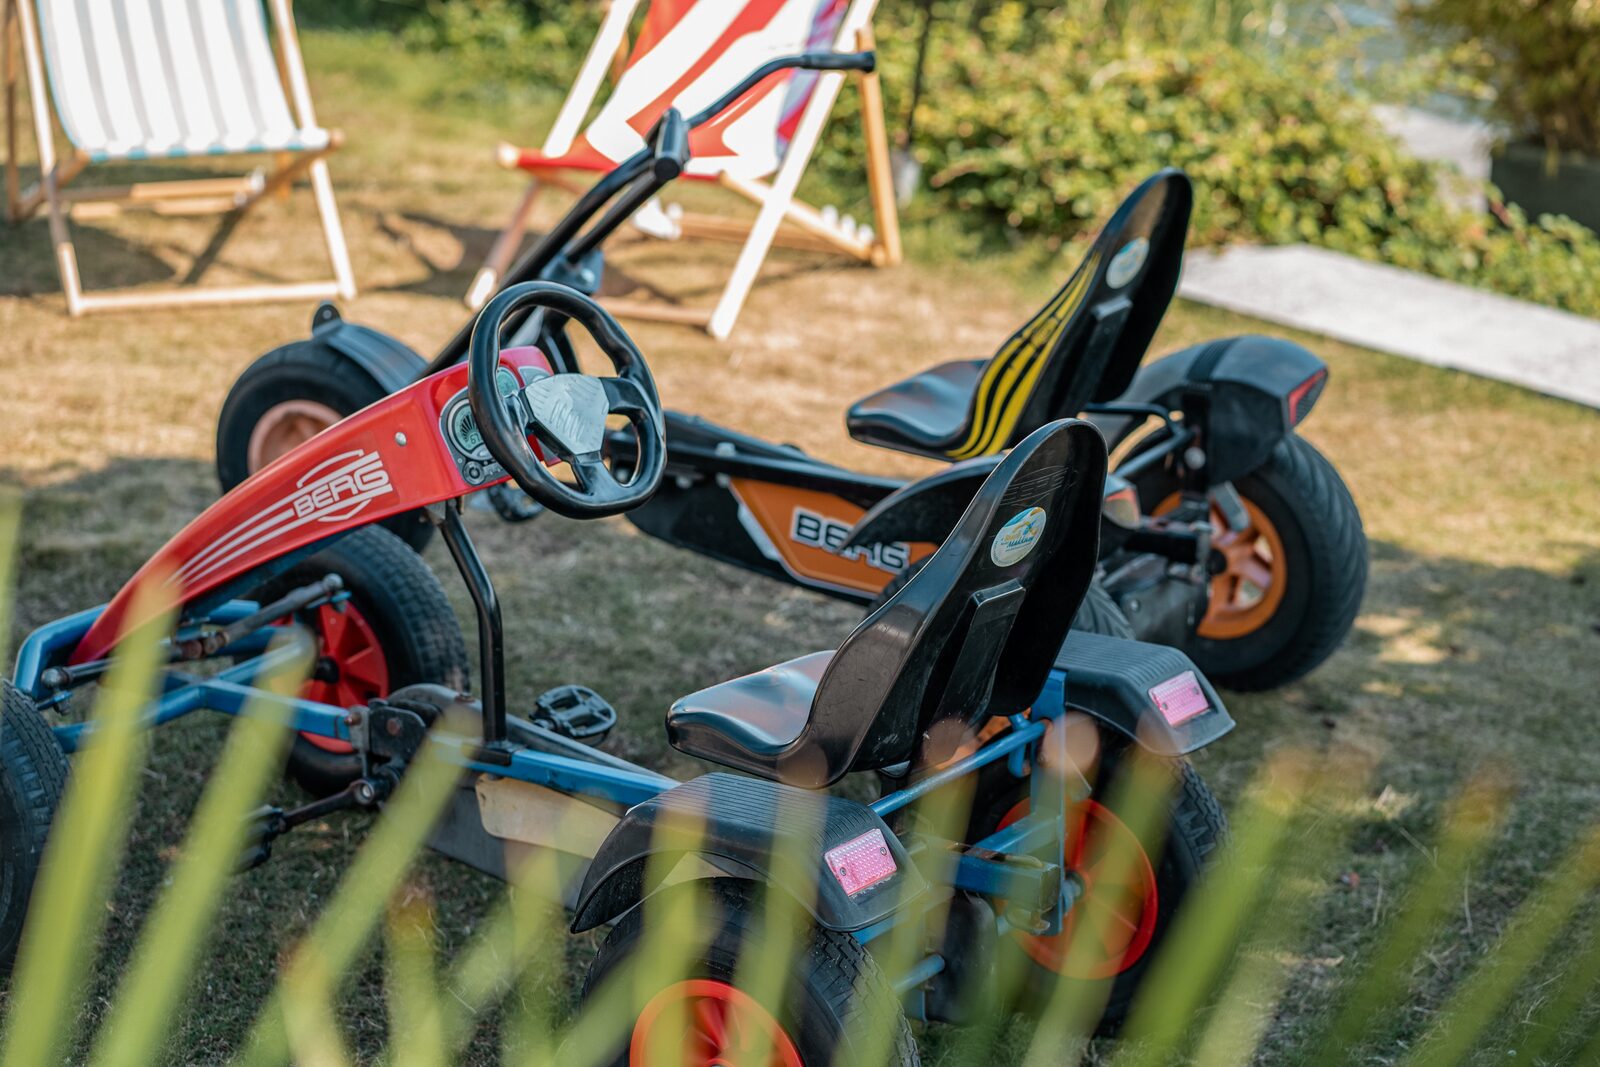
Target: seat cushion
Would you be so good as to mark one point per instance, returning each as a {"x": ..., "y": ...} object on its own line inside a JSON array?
[
  {"x": 926, "y": 414},
  {"x": 749, "y": 722}
]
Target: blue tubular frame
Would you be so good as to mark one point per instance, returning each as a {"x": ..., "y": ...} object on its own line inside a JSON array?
[{"x": 230, "y": 692}]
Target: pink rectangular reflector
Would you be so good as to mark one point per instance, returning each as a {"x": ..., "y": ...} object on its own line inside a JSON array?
[
  {"x": 861, "y": 863},
  {"x": 1180, "y": 699}
]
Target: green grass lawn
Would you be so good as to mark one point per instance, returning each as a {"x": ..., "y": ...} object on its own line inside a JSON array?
[{"x": 1475, "y": 652}]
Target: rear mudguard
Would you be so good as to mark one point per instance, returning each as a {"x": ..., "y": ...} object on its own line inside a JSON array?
[
  {"x": 387, "y": 361},
  {"x": 1257, "y": 390},
  {"x": 1152, "y": 694},
  {"x": 768, "y": 831}
]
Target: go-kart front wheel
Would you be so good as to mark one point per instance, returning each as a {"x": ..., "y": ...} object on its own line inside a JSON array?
[
  {"x": 287, "y": 397},
  {"x": 33, "y": 774},
  {"x": 396, "y": 629},
  {"x": 836, "y": 1004},
  {"x": 1289, "y": 580}
]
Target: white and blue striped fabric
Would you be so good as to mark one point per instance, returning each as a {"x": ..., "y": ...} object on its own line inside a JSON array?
[{"x": 143, "y": 79}]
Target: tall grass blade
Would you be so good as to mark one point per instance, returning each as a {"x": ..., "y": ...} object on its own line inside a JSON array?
[
  {"x": 1478, "y": 1001},
  {"x": 159, "y": 974},
  {"x": 339, "y": 934},
  {"x": 68, "y": 907},
  {"x": 1204, "y": 937},
  {"x": 416, "y": 1037},
  {"x": 1468, "y": 828}
]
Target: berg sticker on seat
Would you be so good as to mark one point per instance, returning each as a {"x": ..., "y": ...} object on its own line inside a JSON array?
[
  {"x": 1017, "y": 537},
  {"x": 1126, "y": 264}
]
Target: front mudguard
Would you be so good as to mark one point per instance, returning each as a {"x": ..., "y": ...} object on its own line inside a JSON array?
[
  {"x": 1152, "y": 694},
  {"x": 1247, "y": 393},
  {"x": 764, "y": 830},
  {"x": 386, "y": 360}
]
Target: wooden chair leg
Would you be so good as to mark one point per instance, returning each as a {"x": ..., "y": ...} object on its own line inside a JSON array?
[
  {"x": 504, "y": 250},
  {"x": 880, "y": 175},
  {"x": 61, "y": 240},
  {"x": 8, "y": 79},
  {"x": 333, "y": 229}
]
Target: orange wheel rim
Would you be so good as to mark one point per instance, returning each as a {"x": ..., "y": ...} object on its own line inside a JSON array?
[
  {"x": 1119, "y": 898},
  {"x": 1249, "y": 589},
  {"x": 285, "y": 427},
  {"x": 351, "y": 668},
  {"x": 706, "y": 1023}
]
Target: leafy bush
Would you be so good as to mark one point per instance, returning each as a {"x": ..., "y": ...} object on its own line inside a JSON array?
[
  {"x": 1542, "y": 60},
  {"x": 1035, "y": 124}
]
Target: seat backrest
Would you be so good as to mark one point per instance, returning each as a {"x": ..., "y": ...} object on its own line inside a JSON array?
[
  {"x": 1086, "y": 343},
  {"x": 973, "y": 633},
  {"x": 689, "y": 52},
  {"x": 143, "y": 78}
]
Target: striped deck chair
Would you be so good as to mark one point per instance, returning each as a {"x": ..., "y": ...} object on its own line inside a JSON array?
[
  {"x": 164, "y": 79},
  {"x": 688, "y": 53}
]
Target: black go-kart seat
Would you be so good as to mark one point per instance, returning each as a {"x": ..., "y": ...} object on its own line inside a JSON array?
[
  {"x": 971, "y": 635},
  {"x": 1082, "y": 347}
]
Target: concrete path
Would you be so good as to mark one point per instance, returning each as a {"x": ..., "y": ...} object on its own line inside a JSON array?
[{"x": 1404, "y": 313}]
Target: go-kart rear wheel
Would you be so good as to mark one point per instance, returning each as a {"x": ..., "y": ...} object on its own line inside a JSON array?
[
  {"x": 1133, "y": 884},
  {"x": 836, "y": 1000},
  {"x": 33, "y": 774},
  {"x": 1291, "y": 579},
  {"x": 396, "y": 629},
  {"x": 284, "y": 399}
]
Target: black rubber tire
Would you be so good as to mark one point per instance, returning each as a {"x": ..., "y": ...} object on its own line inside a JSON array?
[
  {"x": 303, "y": 370},
  {"x": 836, "y": 990},
  {"x": 1325, "y": 550},
  {"x": 1195, "y": 830},
  {"x": 33, "y": 775},
  {"x": 1098, "y": 614},
  {"x": 405, "y": 605}
]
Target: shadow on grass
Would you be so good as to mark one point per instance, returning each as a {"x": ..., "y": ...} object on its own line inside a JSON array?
[{"x": 638, "y": 255}]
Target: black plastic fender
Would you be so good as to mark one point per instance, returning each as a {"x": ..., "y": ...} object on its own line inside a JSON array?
[
  {"x": 389, "y": 362},
  {"x": 772, "y": 832},
  {"x": 1153, "y": 694},
  {"x": 1258, "y": 388}
]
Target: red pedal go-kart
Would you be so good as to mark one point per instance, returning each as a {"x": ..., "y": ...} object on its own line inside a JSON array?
[
  {"x": 1227, "y": 534},
  {"x": 964, "y": 678}
]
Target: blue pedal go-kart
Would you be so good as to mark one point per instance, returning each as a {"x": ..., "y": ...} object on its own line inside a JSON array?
[{"x": 965, "y": 679}]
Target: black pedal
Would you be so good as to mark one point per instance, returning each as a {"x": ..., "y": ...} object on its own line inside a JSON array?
[
  {"x": 262, "y": 827},
  {"x": 575, "y": 711}
]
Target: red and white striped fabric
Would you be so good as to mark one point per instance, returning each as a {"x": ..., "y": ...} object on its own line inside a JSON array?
[{"x": 690, "y": 52}]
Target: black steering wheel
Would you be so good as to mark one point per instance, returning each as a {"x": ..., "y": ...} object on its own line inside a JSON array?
[{"x": 566, "y": 412}]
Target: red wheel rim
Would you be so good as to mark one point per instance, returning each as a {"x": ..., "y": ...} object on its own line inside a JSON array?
[
  {"x": 351, "y": 668},
  {"x": 706, "y": 1023},
  {"x": 1098, "y": 847}
]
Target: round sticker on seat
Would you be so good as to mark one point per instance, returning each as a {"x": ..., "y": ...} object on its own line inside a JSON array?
[
  {"x": 1126, "y": 264},
  {"x": 1017, "y": 537}
]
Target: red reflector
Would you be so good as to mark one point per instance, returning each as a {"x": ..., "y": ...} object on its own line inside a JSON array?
[
  {"x": 1305, "y": 394},
  {"x": 1180, "y": 699},
  {"x": 861, "y": 863}
]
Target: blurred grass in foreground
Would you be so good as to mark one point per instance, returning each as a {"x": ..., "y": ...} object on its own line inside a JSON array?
[{"x": 1206, "y": 1000}]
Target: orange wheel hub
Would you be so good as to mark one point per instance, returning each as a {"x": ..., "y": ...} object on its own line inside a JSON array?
[
  {"x": 1250, "y": 588},
  {"x": 1119, "y": 899},
  {"x": 706, "y": 1023},
  {"x": 285, "y": 427}
]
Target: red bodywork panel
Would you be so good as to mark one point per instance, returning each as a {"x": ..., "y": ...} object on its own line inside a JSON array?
[{"x": 353, "y": 474}]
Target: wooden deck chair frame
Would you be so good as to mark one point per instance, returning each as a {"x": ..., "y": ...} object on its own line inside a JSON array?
[
  {"x": 20, "y": 44},
  {"x": 782, "y": 218}
]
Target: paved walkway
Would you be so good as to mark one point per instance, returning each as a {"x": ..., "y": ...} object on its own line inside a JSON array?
[{"x": 1404, "y": 313}]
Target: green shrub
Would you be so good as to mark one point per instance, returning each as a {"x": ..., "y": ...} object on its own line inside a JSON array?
[
  {"x": 1541, "y": 59},
  {"x": 1035, "y": 124}
]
